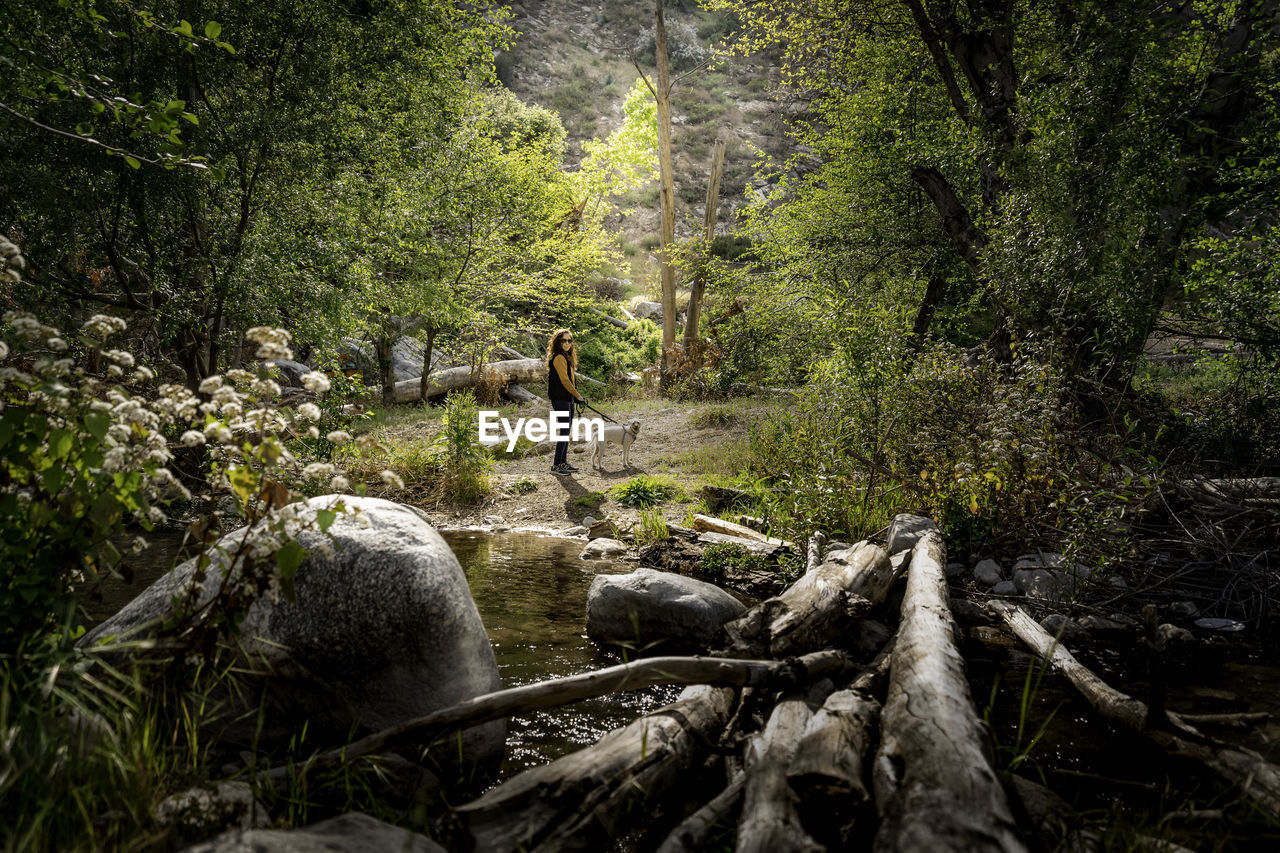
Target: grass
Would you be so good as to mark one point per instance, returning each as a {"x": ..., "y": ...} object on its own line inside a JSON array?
[
  {"x": 643, "y": 491},
  {"x": 718, "y": 416},
  {"x": 591, "y": 500},
  {"x": 652, "y": 527}
]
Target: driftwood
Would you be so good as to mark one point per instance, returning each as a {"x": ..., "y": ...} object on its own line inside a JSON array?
[
  {"x": 755, "y": 546},
  {"x": 1258, "y": 778},
  {"x": 1233, "y": 493},
  {"x": 934, "y": 785},
  {"x": 770, "y": 820},
  {"x": 694, "y": 832},
  {"x": 816, "y": 608},
  {"x": 601, "y": 790},
  {"x": 563, "y": 691},
  {"x": 710, "y": 524}
]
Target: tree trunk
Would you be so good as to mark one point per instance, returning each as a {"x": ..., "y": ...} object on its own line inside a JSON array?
[
  {"x": 382, "y": 352},
  {"x": 662, "y": 93},
  {"x": 695, "y": 832},
  {"x": 710, "y": 524},
  {"x": 935, "y": 787},
  {"x": 816, "y": 608},
  {"x": 709, "y": 232},
  {"x": 425, "y": 380}
]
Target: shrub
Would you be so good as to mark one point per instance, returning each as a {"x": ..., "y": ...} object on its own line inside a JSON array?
[
  {"x": 713, "y": 416},
  {"x": 467, "y": 464},
  {"x": 523, "y": 486},
  {"x": 644, "y": 491},
  {"x": 721, "y": 560}
]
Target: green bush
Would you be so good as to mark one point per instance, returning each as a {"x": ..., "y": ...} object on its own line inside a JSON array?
[
  {"x": 467, "y": 462},
  {"x": 644, "y": 491},
  {"x": 721, "y": 560},
  {"x": 652, "y": 527}
]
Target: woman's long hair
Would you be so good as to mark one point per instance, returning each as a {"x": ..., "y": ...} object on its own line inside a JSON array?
[{"x": 553, "y": 348}]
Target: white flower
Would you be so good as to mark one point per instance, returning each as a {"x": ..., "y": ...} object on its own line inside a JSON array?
[
  {"x": 315, "y": 381},
  {"x": 313, "y": 432},
  {"x": 143, "y": 374},
  {"x": 238, "y": 375},
  {"x": 102, "y": 326},
  {"x": 392, "y": 479},
  {"x": 339, "y": 483},
  {"x": 339, "y": 436},
  {"x": 193, "y": 438},
  {"x": 210, "y": 384},
  {"x": 310, "y": 411},
  {"x": 4, "y": 350},
  {"x": 120, "y": 357},
  {"x": 268, "y": 335},
  {"x": 318, "y": 470},
  {"x": 156, "y": 515},
  {"x": 266, "y": 388},
  {"x": 57, "y": 344},
  {"x": 274, "y": 352},
  {"x": 216, "y": 430}
]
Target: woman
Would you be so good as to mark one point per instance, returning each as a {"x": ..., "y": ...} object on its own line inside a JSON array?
[{"x": 562, "y": 361}]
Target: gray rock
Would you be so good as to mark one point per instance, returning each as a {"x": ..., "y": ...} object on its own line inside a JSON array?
[
  {"x": 1117, "y": 582},
  {"x": 1183, "y": 611},
  {"x": 1004, "y": 588},
  {"x": 970, "y": 613},
  {"x": 648, "y": 311},
  {"x": 1043, "y": 583},
  {"x": 1054, "y": 561},
  {"x": 648, "y": 607},
  {"x": 1226, "y": 626},
  {"x": 290, "y": 372},
  {"x": 600, "y": 528},
  {"x": 201, "y": 812},
  {"x": 386, "y": 624},
  {"x": 905, "y": 531},
  {"x": 1175, "y": 637},
  {"x": 579, "y": 530},
  {"x": 1102, "y": 626},
  {"x": 955, "y": 570},
  {"x": 349, "y": 833},
  {"x": 603, "y": 548},
  {"x": 1068, "y": 631},
  {"x": 988, "y": 573}
]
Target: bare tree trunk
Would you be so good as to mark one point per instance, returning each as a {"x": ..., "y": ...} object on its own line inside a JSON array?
[
  {"x": 382, "y": 352},
  {"x": 935, "y": 787},
  {"x": 709, "y": 232},
  {"x": 425, "y": 379},
  {"x": 514, "y": 370},
  {"x": 662, "y": 94}
]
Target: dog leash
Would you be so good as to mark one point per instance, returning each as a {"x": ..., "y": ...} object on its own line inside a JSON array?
[{"x": 587, "y": 405}]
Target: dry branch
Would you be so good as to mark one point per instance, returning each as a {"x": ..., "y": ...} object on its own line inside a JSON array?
[
  {"x": 710, "y": 524},
  {"x": 695, "y": 831},
  {"x": 562, "y": 691},
  {"x": 934, "y": 785},
  {"x": 816, "y": 608},
  {"x": 513, "y": 370},
  {"x": 1258, "y": 778}
]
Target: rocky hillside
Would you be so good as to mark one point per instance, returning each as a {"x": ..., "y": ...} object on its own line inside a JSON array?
[{"x": 574, "y": 56}]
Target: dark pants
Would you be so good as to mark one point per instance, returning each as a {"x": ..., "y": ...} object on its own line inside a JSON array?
[{"x": 562, "y": 440}]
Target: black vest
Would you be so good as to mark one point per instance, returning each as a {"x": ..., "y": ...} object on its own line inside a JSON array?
[{"x": 555, "y": 388}]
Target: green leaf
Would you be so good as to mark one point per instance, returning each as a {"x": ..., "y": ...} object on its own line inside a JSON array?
[
  {"x": 289, "y": 558},
  {"x": 60, "y": 443},
  {"x": 97, "y": 424},
  {"x": 133, "y": 162},
  {"x": 227, "y": 47},
  {"x": 325, "y": 519},
  {"x": 212, "y": 30},
  {"x": 183, "y": 28}
]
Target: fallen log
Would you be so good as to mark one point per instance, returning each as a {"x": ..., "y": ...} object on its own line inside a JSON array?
[
  {"x": 519, "y": 394},
  {"x": 1257, "y": 777},
  {"x": 935, "y": 788},
  {"x": 513, "y": 370},
  {"x": 826, "y": 774},
  {"x": 770, "y": 820},
  {"x": 621, "y": 324},
  {"x": 694, "y": 832},
  {"x": 710, "y": 524},
  {"x": 571, "y": 803},
  {"x": 816, "y": 608},
  {"x": 755, "y": 546}
]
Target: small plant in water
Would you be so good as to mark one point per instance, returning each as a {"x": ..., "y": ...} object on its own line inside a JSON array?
[{"x": 652, "y": 528}]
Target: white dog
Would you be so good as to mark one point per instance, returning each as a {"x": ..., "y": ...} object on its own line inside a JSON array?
[{"x": 624, "y": 434}]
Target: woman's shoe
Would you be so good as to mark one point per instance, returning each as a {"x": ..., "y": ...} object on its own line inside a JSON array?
[
  {"x": 572, "y": 469},
  {"x": 561, "y": 470}
]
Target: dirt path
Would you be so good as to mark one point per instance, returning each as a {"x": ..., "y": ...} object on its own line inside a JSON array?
[{"x": 673, "y": 443}]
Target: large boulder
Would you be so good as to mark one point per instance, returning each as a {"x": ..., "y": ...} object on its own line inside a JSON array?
[
  {"x": 648, "y": 311},
  {"x": 382, "y": 631},
  {"x": 649, "y": 608}
]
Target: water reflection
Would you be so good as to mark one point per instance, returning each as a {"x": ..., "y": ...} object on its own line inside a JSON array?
[{"x": 531, "y": 590}]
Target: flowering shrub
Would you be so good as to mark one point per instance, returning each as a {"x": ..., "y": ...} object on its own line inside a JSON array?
[{"x": 85, "y": 448}]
